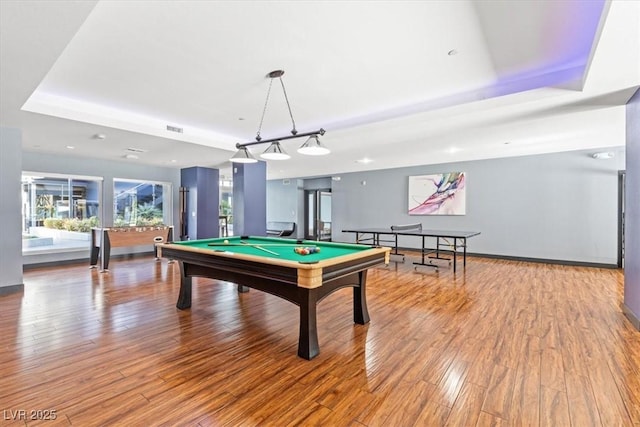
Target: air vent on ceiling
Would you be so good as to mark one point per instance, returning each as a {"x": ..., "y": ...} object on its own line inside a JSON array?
[
  {"x": 174, "y": 129},
  {"x": 135, "y": 150}
]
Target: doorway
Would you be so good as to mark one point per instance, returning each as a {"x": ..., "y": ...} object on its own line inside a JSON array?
[{"x": 317, "y": 210}]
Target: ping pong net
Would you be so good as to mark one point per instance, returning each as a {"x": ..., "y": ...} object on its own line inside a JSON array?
[
  {"x": 394, "y": 232},
  {"x": 406, "y": 227}
]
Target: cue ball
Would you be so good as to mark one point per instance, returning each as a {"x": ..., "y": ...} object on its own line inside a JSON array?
[{"x": 226, "y": 242}]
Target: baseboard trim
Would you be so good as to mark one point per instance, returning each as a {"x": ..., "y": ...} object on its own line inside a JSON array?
[
  {"x": 480, "y": 255},
  {"x": 84, "y": 260},
  {"x": 526, "y": 259},
  {"x": 631, "y": 316},
  {"x": 6, "y": 290}
]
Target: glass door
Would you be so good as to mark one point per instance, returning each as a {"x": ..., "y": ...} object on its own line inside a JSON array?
[{"x": 318, "y": 214}]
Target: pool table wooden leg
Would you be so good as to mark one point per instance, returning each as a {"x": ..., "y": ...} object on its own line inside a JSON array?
[
  {"x": 360, "y": 311},
  {"x": 308, "y": 346}
]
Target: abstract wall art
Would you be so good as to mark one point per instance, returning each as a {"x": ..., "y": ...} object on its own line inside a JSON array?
[{"x": 437, "y": 194}]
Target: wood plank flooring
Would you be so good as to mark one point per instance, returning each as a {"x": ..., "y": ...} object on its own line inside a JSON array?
[{"x": 501, "y": 343}]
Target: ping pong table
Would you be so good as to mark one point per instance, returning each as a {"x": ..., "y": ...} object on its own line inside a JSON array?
[{"x": 447, "y": 242}]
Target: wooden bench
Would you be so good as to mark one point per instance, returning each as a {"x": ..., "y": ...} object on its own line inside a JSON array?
[{"x": 280, "y": 228}]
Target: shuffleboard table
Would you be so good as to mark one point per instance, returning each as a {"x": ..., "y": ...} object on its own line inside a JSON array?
[
  {"x": 272, "y": 265},
  {"x": 103, "y": 239}
]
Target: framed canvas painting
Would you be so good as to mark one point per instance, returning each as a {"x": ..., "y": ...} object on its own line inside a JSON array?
[{"x": 437, "y": 194}]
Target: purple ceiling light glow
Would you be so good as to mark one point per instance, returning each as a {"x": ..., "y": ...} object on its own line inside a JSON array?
[
  {"x": 565, "y": 47},
  {"x": 571, "y": 33}
]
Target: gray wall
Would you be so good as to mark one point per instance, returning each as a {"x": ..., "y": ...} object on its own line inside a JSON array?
[
  {"x": 559, "y": 206},
  {"x": 47, "y": 163},
  {"x": 632, "y": 213},
  {"x": 10, "y": 217},
  {"x": 284, "y": 202}
]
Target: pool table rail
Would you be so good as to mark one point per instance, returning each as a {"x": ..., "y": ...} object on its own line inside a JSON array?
[{"x": 309, "y": 274}]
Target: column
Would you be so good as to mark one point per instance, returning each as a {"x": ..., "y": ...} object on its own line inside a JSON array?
[
  {"x": 250, "y": 199},
  {"x": 203, "y": 199}
]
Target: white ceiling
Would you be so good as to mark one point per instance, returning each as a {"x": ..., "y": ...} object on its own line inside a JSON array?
[{"x": 527, "y": 77}]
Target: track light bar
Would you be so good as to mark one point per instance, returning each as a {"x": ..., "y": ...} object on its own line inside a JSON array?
[{"x": 282, "y": 138}]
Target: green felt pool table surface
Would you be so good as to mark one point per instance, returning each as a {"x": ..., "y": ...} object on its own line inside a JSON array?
[{"x": 283, "y": 249}]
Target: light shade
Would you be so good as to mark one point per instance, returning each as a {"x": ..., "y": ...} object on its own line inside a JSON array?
[
  {"x": 243, "y": 156},
  {"x": 275, "y": 152},
  {"x": 313, "y": 147}
]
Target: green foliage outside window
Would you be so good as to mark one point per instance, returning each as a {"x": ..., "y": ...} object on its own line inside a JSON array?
[
  {"x": 225, "y": 209},
  {"x": 72, "y": 224},
  {"x": 148, "y": 212},
  {"x": 146, "y": 215}
]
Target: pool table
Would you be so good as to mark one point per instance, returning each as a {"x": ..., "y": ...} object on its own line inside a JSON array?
[{"x": 272, "y": 265}]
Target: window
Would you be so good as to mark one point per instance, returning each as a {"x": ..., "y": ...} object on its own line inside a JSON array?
[
  {"x": 58, "y": 211},
  {"x": 141, "y": 203}
]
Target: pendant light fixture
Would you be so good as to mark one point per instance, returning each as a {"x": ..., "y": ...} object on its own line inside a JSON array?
[
  {"x": 275, "y": 152},
  {"x": 312, "y": 146}
]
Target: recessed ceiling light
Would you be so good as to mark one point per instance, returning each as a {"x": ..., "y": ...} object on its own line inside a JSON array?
[
  {"x": 70, "y": 147},
  {"x": 603, "y": 155},
  {"x": 507, "y": 143},
  {"x": 452, "y": 150},
  {"x": 99, "y": 136},
  {"x": 173, "y": 160},
  {"x": 452, "y": 52},
  {"x": 130, "y": 156},
  {"x": 364, "y": 160}
]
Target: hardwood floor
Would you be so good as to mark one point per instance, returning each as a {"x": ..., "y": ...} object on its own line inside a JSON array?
[{"x": 501, "y": 343}]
